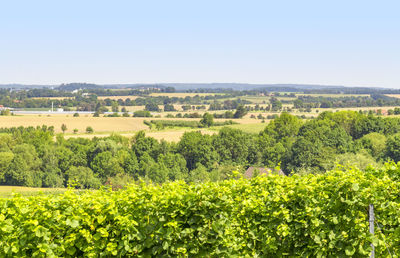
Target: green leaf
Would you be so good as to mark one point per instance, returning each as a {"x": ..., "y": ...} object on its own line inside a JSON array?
[
  {"x": 350, "y": 250},
  {"x": 72, "y": 223},
  {"x": 71, "y": 250}
]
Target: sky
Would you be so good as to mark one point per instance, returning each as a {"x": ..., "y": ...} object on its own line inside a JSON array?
[{"x": 349, "y": 42}]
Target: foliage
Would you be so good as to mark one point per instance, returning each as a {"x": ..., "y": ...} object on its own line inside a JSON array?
[
  {"x": 240, "y": 112},
  {"x": 31, "y": 157},
  {"x": 63, "y": 128},
  {"x": 207, "y": 120},
  {"x": 142, "y": 113},
  {"x": 89, "y": 129},
  {"x": 152, "y": 107},
  {"x": 308, "y": 216}
]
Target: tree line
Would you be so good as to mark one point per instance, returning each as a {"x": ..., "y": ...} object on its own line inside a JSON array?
[{"x": 31, "y": 157}]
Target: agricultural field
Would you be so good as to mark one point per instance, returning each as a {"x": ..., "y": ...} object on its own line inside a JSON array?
[
  {"x": 104, "y": 126},
  {"x": 8, "y": 191},
  {"x": 393, "y": 95},
  {"x": 183, "y": 94}
]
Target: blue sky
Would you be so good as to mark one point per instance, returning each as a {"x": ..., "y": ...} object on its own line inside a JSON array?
[{"x": 354, "y": 43}]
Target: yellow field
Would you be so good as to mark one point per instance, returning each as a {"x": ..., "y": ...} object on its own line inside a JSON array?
[
  {"x": 7, "y": 191},
  {"x": 99, "y": 124},
  {"x": 393, "y": 95}
]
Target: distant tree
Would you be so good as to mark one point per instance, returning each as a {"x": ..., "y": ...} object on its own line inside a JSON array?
[
  {"x": 276, "y": 105},
  {"x": 82, "y": 177},
  {"x": 152, "y": 107},
  {"x": 169, "y": 107},
  {"x": 235, "y": 146},
  {"x": 197, "y": 148},
  {"x": 298, "y": 103},
  {"x": 89, "y": 129},
  {"x": 142, "y": 113},
  {"x": 24, "y": 168},
  {"x": 199, "y": 174},
  {"x": 5, "y": 112},
  {"x": 75, "y": 131},
  {"x": 207, "y": 120},
  {"x": 5, "y": 159},
  {"x": 106, "y": 164},
  {"x": 63, "y": 128},
  {"x": 393, "y": 147},
  {"x": 375, "y": 143},
  {"x": 114, "y": 106},
  {"x": 76, "y": 114},
  {"x": 241, "y": 111}
]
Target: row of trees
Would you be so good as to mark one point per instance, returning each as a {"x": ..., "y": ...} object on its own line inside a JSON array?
[{"x": 30, "y": 156}]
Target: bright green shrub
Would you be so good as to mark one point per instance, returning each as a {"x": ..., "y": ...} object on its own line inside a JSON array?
[{"x": 312, "y": 215}]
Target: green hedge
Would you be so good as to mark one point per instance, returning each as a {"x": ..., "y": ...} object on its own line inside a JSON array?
[{"x": 313, "y": 215}]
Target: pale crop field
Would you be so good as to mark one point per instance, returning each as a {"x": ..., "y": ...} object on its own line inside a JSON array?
[
  {"x": 99, "y": 124},
  {"x": 7, "y": 191},
  {"x": 393, "y": 95},
  {"x": 127, "y": 126}
]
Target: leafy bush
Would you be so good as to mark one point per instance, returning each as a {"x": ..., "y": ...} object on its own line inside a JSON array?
[
  {"x": 178, "y": 123},
  {"x": 89, "y": 129},
  {"x": 273, "y": 216},
  {"x": 142, "y": 113}
]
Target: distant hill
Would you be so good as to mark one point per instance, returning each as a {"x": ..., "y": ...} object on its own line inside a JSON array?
[
  {"x": 17, "y": 86},
  {"x": 198, "y": 86},
  {"x": 77, "y": 86}
]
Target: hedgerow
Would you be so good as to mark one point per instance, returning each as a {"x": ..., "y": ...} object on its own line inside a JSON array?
[{"x": 311, "y": 215}]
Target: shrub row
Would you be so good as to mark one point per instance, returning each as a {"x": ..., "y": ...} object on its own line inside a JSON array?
[
  {"x": 313, "y": 215},
  {"x": 184, "y": 123}
]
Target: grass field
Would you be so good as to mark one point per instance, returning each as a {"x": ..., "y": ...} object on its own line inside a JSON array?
[
  {"x": 118, "y": 97},
  {"x": 7, "y": 191},
  {"x": 250, "y": 128}
]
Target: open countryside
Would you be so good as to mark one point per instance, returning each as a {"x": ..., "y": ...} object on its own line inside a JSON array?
[{"x": 199, "y": 129}]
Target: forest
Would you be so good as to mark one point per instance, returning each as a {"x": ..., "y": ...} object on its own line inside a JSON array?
[{"x": 36, "y": 156}]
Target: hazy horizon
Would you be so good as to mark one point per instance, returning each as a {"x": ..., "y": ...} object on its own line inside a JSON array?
[{"x": 353, "y": 44}]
